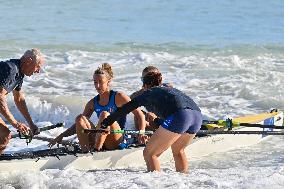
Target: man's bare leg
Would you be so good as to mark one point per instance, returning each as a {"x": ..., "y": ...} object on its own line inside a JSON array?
[{"x": 5, "y": 136}]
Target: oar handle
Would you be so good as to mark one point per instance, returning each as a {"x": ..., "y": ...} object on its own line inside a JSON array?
[
  {"x": 51, "y": 127},
  {"x": 63, "y": 142},
  {"x": 132, "y": 132},
  {"x": 40, "y": 129},
  {"x": 118, "y": 131}
]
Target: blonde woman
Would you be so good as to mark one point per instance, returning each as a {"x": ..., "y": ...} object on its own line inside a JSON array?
[{"x": 106, "y": 102}]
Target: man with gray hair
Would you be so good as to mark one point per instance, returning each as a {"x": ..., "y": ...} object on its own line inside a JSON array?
[{"x": 12, "y": 73}]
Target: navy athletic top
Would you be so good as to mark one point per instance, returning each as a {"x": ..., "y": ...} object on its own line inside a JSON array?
[
  {"x": 163, "y": 101},
  {"x": 10, "y": 75},
  {"x": 110, "y": 107}
]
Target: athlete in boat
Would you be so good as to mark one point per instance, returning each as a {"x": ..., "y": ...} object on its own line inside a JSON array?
[
  {"x": 12, "y": 73},
  {"x": 145, "y": 71},
  {"x": 106, "y": 102},
  {"x": 177, "y": 115}
]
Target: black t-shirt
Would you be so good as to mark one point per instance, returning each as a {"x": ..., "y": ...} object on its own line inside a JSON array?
[
  {"x": 163, "y": 101},
  {"x": 10, "y": 75}
]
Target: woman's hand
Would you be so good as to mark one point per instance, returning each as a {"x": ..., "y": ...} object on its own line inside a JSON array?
[
  {"x": 58, "y": 140},
  {"x": 142, "y": 139},
  {"x": 150, "y": 117},
  {"x": 34, "y": 129}
]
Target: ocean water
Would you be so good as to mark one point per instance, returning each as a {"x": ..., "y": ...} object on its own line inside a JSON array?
[{"x": 227, "y": 55}]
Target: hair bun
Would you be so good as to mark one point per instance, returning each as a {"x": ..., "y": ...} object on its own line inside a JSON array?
[{"x": 105, "y": 69}]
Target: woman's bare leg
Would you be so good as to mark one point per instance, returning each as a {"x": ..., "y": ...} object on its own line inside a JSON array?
[
  {"x": 158, "y": 143},
  {"x": 111, "y": 141},
  {"x": 82, "y": 123},
  {"x": 178, "y": 147}
]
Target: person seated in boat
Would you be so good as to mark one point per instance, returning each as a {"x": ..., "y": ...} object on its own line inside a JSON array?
[
  {"x": 12, "y": 73},
  {"x": 106, "y": 102},
  {"x": 178, "y": 116},
  {"x": 145, "y": 71}
]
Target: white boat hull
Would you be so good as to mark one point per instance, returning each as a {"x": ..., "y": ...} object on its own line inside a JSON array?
[{"x": 134, "y": 157}]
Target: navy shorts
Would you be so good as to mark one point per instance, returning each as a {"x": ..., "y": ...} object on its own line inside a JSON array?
[{"x": 183, "y": 121}]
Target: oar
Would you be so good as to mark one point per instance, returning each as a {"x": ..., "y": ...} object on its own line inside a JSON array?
[
  {"x": 47, "y": 139},
  {"x": 29, "y": 137},
  {"x": 231, "y": 132},
  {"x": 229, "y": 123},
  {"x": 133, "y": 132},
  {"x": 43, "y": 129}
]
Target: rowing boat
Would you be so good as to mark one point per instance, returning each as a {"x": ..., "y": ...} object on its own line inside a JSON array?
[{"x": 133, "y": 157}]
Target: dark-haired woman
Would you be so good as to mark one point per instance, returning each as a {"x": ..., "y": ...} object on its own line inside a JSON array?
[
  {"x": 146, "y": 70},
  {"x": 177, "y": 115}
]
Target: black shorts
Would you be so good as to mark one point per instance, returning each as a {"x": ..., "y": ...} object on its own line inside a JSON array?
[{"x": 183, "y": 121}]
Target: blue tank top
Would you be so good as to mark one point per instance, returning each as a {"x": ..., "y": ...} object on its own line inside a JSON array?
[{"x": 110, "y": 107}]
